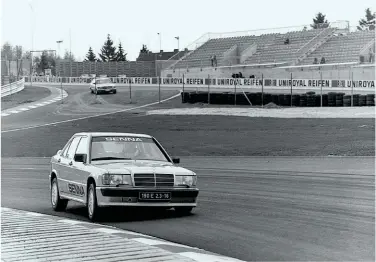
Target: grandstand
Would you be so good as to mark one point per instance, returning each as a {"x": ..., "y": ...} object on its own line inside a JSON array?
[
  {"x": 342, "y": 48},
  {"x": 335, "y": 42}
]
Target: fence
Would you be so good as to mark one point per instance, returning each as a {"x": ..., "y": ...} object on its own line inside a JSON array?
[
  {"x": 112, "y": 69},
  {"x": 12, "y": 88}
]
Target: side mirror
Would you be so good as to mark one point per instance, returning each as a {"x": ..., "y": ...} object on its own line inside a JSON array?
[
  {"x": 80, "y": 158},
  {"x": 58, "y": 152},
  {"x": 176, "y": 160}
]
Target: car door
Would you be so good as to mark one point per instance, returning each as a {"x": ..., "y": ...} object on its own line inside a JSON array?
[
  {"x": 66, "y": 162},
  {"x": 79, "y": 171},
  {"x": 62, "y": 169}
]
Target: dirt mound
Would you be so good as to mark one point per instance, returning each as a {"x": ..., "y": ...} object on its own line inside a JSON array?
[
  {"x": 95, "y": 102},
  {"x": 271, "y": 105}
]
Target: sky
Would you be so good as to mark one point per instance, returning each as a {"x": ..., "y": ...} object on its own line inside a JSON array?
[{"x": 84, "y": 23}]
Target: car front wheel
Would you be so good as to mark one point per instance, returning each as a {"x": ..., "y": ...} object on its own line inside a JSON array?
[
  {"x": 57, "y": 203},
  {"x": 92, "y": 205}
]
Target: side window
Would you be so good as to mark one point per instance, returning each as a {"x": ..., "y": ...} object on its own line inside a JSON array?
[
  {"x": 72, "y": 148},
  {"x": 65, "y": 150},
  {"x": 82, "y": 146}
]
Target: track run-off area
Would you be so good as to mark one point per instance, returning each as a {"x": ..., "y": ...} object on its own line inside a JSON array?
[{"x": 270, "y": 188}]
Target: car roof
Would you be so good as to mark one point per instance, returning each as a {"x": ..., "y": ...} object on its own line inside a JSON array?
[{"x": 96, "y": 134}]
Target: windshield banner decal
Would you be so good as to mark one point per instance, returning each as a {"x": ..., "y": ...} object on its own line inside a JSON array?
[{"x": 117, "y": 139}]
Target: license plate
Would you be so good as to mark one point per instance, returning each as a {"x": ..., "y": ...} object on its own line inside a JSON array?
[{"x": 154, "y": 196}]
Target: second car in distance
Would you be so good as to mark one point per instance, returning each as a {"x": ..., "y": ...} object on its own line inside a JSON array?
[{"x": 104, "y": 84}]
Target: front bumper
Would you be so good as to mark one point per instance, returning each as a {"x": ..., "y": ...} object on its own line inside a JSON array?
[{"x": 110, "y": 196}]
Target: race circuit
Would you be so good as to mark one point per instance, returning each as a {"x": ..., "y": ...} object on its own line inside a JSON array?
[{"x": 300, "y": 206}]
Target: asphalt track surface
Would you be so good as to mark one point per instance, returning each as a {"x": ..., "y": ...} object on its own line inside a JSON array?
[
  {"x": 259, "y": 209},
  {"x": 251, "y": 208}
]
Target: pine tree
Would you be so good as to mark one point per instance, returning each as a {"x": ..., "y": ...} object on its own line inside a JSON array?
[
  {"x": 369, "y": 22},
  {"x": 319, "y": 21},
  {"x": 44, "y": 62},
  {"x": 120, "y": 56},
  {"x": 108, "y": 52},
  {"x": 90, "y": 56}
]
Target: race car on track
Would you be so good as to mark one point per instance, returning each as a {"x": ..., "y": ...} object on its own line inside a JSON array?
[
  {"x": 119, "y": 169},
  {"x": 103, "y": 84}
]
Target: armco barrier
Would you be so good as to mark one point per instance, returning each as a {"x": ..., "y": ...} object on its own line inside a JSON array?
[{"x": 12, "y": 88}]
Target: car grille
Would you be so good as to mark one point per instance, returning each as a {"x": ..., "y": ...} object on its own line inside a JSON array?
[{"x": 151, "y": 180}]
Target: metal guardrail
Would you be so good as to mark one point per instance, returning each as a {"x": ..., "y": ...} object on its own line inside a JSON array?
[{"x": 12, "y": 88}]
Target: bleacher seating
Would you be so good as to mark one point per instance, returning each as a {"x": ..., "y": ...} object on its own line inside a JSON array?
[
  {"x": 275, "y": 51},
  {"x": 201, "y": 56},
  {"x": 270, "y": 48},
  {"x": 341, "y": 48}
]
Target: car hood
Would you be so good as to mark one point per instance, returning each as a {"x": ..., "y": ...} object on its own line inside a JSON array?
[
  {"x": 109, "y": 84},
  {"x": 141, "y": 166}
]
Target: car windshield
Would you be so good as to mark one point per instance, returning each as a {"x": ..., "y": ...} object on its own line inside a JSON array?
[
  {"x": 104, "y": 81},
  {"x": 125, "y": 148}
]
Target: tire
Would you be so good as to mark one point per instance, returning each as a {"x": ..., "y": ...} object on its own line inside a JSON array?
[
  {"x": 57, "y": 203},
  {"x": 93, "y": 210},
  {"x": 183, "y": 210},
  {"x": 92, "y": 91},
  {"x": 114, "y": 91}
]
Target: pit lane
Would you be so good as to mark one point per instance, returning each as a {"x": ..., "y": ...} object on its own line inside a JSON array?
[{"x": 252, "y": 208}]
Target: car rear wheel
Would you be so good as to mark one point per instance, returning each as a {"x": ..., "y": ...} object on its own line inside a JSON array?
[
  {"x": 92, "y": 205},
  {"x": 114, "y": 91},
  {"x": 183, "y": 210},
  {"x": 57, "y": 203}
]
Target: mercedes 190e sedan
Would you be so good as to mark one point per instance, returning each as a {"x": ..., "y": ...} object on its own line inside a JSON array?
[{"x": 119, "y": 169}]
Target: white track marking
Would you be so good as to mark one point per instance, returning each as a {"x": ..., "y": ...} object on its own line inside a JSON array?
[
  {"x": 87, "y": 117},
  {"x": 69, "y": 221},
  {"x": 207, "y": 258},
  {"x": 153, "y": 242},
  {"x": 53, "y": 98}
]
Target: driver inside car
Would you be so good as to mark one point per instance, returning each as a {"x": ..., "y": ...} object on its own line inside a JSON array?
[{"x": 131, "y": 150}]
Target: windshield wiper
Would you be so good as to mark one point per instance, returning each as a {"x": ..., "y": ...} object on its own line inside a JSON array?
[{"x": 110, "y": 158}]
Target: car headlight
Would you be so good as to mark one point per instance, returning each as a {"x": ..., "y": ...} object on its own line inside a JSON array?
[
  {"x": 109, "y": 179},
  {"x": 185, "y": 181}
]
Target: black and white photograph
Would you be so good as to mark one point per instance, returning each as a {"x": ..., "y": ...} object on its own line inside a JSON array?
[{"x": 187, "y": 131}]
